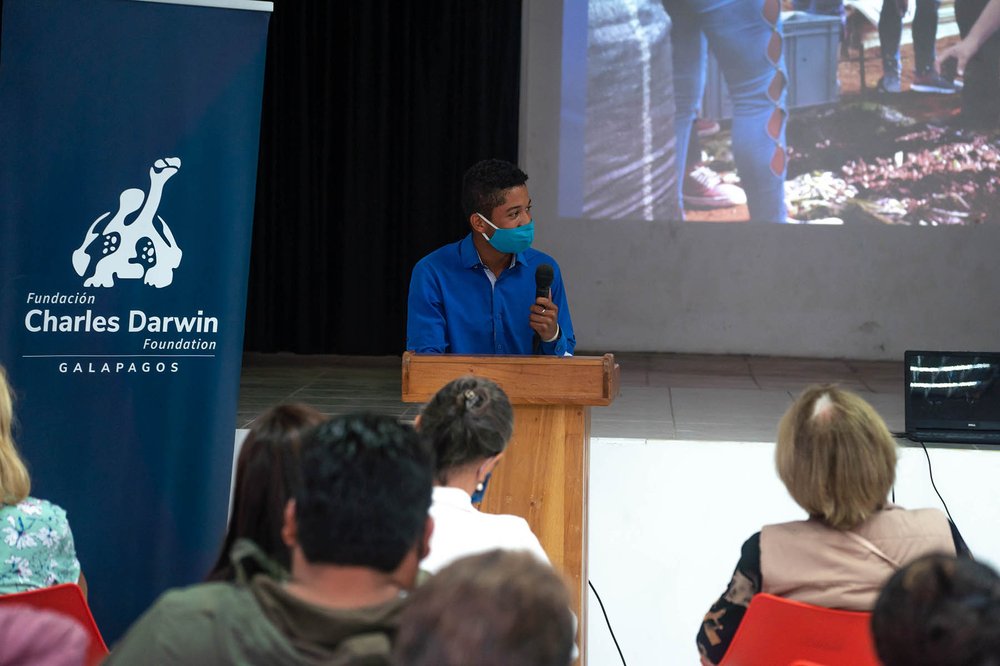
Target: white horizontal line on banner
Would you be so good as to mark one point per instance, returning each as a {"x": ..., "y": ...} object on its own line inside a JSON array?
[
  {"x": 253, "y": 5},
  {"x": 118, "y": 356}
]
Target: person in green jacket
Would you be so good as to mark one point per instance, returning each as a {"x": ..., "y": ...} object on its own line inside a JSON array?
[{"x": 357, "y": 529}]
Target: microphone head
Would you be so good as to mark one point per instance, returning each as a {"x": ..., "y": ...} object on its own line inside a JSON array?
[{"x": 543, "y": 277}]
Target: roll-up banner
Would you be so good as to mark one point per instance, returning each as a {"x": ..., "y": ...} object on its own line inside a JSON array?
[{"x": 128, "y": 161}]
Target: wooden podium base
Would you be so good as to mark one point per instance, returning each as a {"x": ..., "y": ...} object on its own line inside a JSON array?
[{"x": 543, "y": 478}]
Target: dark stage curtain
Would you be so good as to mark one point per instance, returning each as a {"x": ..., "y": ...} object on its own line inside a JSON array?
[{"x": 372, "y": 111}]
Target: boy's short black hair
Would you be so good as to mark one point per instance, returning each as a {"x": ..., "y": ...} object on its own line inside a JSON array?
[{"x": 484, "y": 184}]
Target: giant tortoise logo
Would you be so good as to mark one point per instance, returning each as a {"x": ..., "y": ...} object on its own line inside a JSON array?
[{"x": 134, "y": 243}]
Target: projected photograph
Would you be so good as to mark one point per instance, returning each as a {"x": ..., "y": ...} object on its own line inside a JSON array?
[{"x": 803, "y": 111}]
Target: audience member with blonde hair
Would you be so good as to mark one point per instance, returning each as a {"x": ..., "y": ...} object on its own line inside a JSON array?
[
  {"x": 36, "y": 544},
  {"x": 939, "y": 611},
  {"x": 838, "y": 461},
  {"x": 468, "y": 423},
  {"x": 498, "y": 608}
]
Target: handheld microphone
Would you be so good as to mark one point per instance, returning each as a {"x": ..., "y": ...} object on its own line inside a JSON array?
[{"x": 543, "y": 281}]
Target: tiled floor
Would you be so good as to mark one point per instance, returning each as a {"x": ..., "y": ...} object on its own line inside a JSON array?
[{"x": 663, "y": 396}]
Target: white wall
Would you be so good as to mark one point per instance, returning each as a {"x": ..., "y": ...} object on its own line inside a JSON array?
[
  {"x": 238, "y": 439},
  {"x": 865, "y": 292}
]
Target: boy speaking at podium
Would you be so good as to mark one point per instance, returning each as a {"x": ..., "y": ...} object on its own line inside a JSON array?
[{"x": 490, "y": 293}]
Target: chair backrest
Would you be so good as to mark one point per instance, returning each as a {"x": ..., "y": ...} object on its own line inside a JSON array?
[
  {"x": 65, "y": 599},
  {"x": 782, "y": 631}
]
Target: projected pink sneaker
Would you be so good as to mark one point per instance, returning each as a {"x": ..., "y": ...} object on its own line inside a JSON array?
[
  {"x": 705, "y": 127},
  {"x": 703, "y": 188}
]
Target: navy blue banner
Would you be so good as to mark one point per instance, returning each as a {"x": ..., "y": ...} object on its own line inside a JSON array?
[{"x": 128, "y": 160}]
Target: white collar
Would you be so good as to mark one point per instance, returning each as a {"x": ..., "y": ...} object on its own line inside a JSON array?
[{"x": 453, "y": 497}]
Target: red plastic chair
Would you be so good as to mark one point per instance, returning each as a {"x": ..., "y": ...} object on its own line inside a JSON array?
[
  {"x": 65, "y": 599},
  {"x": 781, "y": 631}
]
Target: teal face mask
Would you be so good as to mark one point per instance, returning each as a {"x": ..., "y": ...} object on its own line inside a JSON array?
[{"x": 511, "y": 241}]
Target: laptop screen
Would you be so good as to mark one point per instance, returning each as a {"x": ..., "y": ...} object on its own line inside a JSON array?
[{"x": 952, "y": 391}]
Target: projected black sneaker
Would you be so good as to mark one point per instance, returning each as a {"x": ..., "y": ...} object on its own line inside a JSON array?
[{"x": 930, "y": 81}]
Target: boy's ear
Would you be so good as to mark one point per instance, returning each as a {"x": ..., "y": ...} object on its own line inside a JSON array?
[{"x": 478, "y": 224}]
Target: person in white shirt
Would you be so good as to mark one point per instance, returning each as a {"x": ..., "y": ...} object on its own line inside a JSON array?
[{"x": 469, "y": 422}]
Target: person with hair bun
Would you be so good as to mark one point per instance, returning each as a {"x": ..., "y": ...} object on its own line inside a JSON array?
[
  {"x": 36, "y": 544},
  {"x": 468, "y": 423},
  {"x": 838, "y": 461},
  {"x": 939, "y": 611}
]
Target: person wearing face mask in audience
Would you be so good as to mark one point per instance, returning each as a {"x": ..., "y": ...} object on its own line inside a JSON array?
[
  {"x": 468, "y": 424},
  {"x": 478, "y": 295}
]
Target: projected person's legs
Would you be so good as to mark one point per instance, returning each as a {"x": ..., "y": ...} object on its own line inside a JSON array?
[
  {"x": 924, "y": 29},
  {"x": 890, "y": 30},
  {"x": 687, "y": 44},
  {"x": 702, "y": 188},
  {"x": 926, "y": 77},
  {"x": 746, "y": 39},
  {"x": 698, "y": 186}
]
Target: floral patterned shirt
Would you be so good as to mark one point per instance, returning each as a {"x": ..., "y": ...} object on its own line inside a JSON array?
[{"x": 36, "y": 547}]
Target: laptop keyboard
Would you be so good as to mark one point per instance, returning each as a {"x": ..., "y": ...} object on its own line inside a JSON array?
[{"x": 958, "y": 437}]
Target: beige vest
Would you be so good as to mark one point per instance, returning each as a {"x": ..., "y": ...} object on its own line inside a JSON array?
[{"x": 810, "y": 562}]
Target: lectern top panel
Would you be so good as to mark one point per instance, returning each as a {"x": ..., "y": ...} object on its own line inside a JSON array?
[{"x": 532, "y": 380}]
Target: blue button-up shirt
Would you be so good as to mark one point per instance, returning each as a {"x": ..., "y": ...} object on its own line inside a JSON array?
[{"x": 454, "y": 308}]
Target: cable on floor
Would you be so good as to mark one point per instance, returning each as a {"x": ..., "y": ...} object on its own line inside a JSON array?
[{"x": 607, "y": 621}]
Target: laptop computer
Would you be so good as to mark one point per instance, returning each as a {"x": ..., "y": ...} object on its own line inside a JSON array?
[{"x": 952, "y": 397}]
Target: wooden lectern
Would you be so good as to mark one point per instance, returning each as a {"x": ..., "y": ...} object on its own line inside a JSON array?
[{"x": 544, "y": 474}]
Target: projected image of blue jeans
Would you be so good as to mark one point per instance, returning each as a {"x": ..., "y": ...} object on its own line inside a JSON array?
[{"x": 745, "y": 37}]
